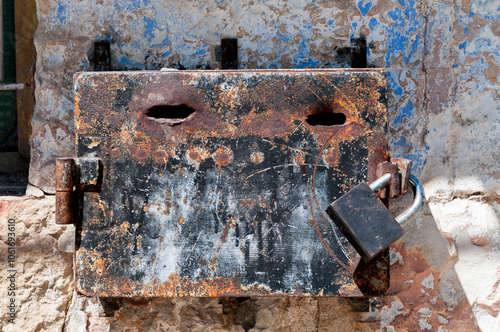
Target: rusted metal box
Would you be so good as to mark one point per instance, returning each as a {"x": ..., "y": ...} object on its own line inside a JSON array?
[{"x": 215, "y": 183}]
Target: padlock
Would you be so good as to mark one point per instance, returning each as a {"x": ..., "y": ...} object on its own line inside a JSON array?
[{"x": 365, "y": 221}]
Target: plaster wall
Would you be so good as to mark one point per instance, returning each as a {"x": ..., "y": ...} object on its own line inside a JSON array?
[{"x": 442, "y": 60}]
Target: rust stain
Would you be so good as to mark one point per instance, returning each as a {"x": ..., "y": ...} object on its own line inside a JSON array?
[
  {"x": 161, "y": 155},
  {"x": 223, "y": 157},
  {"x": 408, "y": 287},
  {"x": 196, "y": 155},
  {"x": 331, "y": 157},
  {"x": 114, "y": 152},
  {"x": 257, "y": 157},
  {"x": 299, "y": 159}
]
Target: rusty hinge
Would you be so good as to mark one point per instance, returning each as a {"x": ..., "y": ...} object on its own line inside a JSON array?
[{"x": 74, "y": 176}]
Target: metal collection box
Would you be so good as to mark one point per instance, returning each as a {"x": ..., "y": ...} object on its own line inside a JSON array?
[{"x": 215, "y": 183}]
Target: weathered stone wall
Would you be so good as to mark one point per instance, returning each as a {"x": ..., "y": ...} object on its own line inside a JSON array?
[{"x": 442, "y": 60}]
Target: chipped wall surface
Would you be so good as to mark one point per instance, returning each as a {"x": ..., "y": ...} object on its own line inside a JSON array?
[{"x": 442, "y": 60}]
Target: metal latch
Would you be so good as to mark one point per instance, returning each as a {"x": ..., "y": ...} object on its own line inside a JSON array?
[{"x": 365, "y": 220}]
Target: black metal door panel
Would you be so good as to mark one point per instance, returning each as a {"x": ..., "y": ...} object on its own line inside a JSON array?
[{"x": 216, "y": 182}]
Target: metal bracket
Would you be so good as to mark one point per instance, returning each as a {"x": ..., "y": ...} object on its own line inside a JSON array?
[
  {"x": 399, "y": 168},
  {"x": 418, "y": 200}
]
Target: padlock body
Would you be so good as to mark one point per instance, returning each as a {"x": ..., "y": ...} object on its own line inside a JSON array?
[{"x": 365, "y": 221}]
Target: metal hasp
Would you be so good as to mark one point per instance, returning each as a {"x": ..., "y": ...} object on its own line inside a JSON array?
[{"x": 215, "y": 183}]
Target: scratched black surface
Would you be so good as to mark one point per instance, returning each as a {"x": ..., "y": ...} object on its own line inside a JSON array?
[{"x": 245, "y": 221}]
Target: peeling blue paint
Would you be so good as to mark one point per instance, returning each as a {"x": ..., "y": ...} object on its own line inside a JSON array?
[
  {"x": 364, "y": 6},
  {"x": 282, "y": 36},
  {"x": 308, "y": 64},
  {"x": 166, "y": 55},
  {"x": 404, "y": 112},
  {"x": 418, "y": 157},
  {"x": 488, "y": 15},
  {"x": 131, "y": 5},
  {"x": 303, "y": 59},
  {"x": 401, "y": 141},
  {"x": 150, "y": 26},
  {"x": 394, "y": 84},
  {"x": 398, "y": 91},
  {"x": 201, "y": 52},
  {"x": 62, "y": 12},
  {"x": 128, "y": 64},
  {"x": 404, "y": 37},
  {"x": 164, "y": 43}
]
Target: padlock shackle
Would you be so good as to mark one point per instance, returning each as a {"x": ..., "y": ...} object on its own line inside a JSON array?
[
  {"x": 381, "y": 182},
  {"x": 418, "y": 191},
  {"x": 418, "y": 201}
]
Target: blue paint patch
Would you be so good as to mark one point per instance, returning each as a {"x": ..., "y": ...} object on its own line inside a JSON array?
[
  {"x": 466, "y": 30},
  {"x": 124, "y": 63},
  {"x": 404, "y": 36},
  {"x": 308, "y": 64},
  {"x": 303, "y": 59},
  {"x": 165, "y": 42},
  {"x": 462, "y": 45},
  {"x": 166, "y": 55},
  {"x": 201, "y": 52},
  {"x": 127, "y": 5},
  {"x": 282, "y": 36},
  {"x": 398, "y": 91},
  {"x": 394, "y": 84},
  {"x": 418, "y": 160},
  {"x": 401, "y": 141},
  {"x": 331, "y": 23},
  {"x": 62, "y": 13},
  {"x": 150, "y": 26},
  {"x": 404, "y": 112},
  {"x": 61, "y": 8},
  {"x": 364, "y": 6},
  {"x": 373, "y": 23}
]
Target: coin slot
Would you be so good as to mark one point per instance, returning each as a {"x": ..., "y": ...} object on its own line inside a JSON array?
[
  {"x": 171, "y": 114},
  {"x": 326, "y": 119}
]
